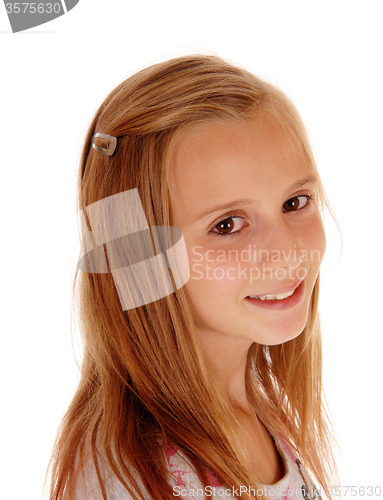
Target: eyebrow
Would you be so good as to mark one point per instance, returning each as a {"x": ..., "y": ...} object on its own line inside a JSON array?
[{"x": 246, "y": 201}]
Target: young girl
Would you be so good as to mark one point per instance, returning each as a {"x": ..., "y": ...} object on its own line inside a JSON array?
[{"x": 201, "y": 374}]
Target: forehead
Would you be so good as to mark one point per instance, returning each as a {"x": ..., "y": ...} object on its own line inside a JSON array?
[{"x": 215, "y": 161}]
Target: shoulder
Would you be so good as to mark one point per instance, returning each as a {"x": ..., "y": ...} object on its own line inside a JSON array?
[
  {"x": 182, "y": 478},
  {"x": 87, "y": 486}
]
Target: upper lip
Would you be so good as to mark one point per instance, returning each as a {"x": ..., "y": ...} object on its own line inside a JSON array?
[{"x": 285, "y": 289}]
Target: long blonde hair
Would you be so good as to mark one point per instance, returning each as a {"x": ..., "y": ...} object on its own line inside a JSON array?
[{"x": 144, "y": 379}]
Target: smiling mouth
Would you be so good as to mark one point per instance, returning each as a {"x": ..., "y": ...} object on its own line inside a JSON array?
[
  {"x": 276, "y": 296},
  {"x": 285, "y": 299}
]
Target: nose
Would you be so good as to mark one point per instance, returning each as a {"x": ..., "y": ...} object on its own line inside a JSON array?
[{"x": 279, "y": 247}]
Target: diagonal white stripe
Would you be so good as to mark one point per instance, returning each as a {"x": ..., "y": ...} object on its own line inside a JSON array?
[{"x": 64, "y": 6}]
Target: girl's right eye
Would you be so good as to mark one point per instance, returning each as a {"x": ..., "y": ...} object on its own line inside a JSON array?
[{"x": 225, "y": 227}]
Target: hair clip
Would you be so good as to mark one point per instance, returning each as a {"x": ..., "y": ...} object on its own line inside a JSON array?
[{"x": 111, "y": 146}]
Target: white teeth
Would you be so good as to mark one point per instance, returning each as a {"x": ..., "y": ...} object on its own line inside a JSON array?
[{"x": 277, "y": 296}]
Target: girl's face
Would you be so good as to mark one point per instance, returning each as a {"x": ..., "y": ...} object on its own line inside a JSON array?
[{"x": 245, "y": 199}]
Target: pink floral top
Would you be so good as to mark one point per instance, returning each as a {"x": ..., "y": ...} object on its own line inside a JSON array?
[{"x": 188, "y": 486}]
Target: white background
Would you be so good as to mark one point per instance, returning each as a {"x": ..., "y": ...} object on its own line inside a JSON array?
[{"x": 326, "y": 55}]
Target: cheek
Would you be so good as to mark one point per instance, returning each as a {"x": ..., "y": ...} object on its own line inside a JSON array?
[
  {"x": 214, "y": 279},
  {"x": 315, "y": 241},
  {"x": 212, "y": 273}
]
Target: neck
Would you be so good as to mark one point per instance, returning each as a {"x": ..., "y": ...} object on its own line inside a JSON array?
[{"x": 229, "y": 358}]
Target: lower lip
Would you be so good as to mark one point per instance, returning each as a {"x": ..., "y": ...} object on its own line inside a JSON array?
[{"x": 280, "y": 304}]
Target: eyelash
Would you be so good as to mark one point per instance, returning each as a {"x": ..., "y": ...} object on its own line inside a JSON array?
[{"x": 307, "y": 196}]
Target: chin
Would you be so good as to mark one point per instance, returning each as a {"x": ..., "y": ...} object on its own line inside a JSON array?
[
  {"x": 280, "y": 335},
  {"x": 283, "y": 339}
]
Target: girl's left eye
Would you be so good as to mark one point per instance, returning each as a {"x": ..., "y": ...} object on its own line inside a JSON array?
[
  {"x": 296, "y": 203},
  {"x": 225, "y": 227}
]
